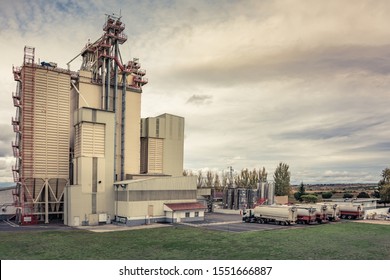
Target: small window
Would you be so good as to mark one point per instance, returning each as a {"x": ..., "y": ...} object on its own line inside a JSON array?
[
  {"x": 187, "y": 214},
  {"x": 196, "y": 214}
]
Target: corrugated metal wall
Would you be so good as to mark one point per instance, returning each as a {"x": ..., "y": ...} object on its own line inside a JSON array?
[
  {"x": 51, "y": 124},
  {"x": 155, "y": 155},
  {"x": 90, "y": 140}
]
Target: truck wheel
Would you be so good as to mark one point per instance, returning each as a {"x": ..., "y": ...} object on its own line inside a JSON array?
[
  {"x": 349, "y": 217},
  {"x": 343, "y": 217}
]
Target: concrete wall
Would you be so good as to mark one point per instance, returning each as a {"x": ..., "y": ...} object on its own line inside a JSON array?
[
  {"x": 180, "y": 216},
  {"x": 143, "y": 200},
  {"x": 173, "y": 156},
  {"x": 281, "y": 199},
  {"x": 132, "y": 133},
  {"x": 91, "y": 96},
  {"x": 93, "y": 191},
  {"x": 170, "y": 129}
]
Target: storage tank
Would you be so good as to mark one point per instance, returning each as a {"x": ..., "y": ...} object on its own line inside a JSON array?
[
  {"x": 253, "y": 197},
  {"x": 262, "y": 190},
  {"x": 242, "y": 199},
  {"x": 228, "y": 197},
  {"x": 271, "y": 193}
]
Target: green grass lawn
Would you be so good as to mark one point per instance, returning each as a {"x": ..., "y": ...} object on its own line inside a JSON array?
[{"x": 337, "y": 241}]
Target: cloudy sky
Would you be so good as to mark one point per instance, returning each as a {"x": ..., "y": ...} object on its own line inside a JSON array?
[{"x": 258, "y": 82}]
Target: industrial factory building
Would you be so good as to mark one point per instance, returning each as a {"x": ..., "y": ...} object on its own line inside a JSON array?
[{"x": 83, "y": 154}]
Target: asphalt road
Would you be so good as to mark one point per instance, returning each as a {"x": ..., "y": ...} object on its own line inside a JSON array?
[
  {"x": 10, "y": 226},
  {"x": 233, "y": 223}
]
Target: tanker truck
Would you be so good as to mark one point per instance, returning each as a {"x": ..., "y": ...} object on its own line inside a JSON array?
[
  {"x": 320, "y": 212},
  {"x": 306, "y": 214},
  {"x": 332, "y": 211},
  {"x": 350, "y": 211},
  {"x": 263, "y": 214}
]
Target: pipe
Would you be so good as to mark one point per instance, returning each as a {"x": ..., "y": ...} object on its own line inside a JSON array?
[
  {"x": 108, "y": 81},
  {"x": 123, "y": 126},
  {"x": 74, "y": 86},
  {"x": 103, "y": 85},
  {"x": 115, "y": 101},
  {"x": 46, "y": 201}
]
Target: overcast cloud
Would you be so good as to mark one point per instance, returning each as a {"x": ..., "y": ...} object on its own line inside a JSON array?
[{"x": 258, "y": 82}]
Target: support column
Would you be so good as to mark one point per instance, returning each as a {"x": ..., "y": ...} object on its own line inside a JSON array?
[{"x": 46, "y": 201}]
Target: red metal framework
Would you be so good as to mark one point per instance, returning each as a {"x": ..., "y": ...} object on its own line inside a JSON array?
[
  {"x": 23, "y": 125},
  {"x": 104, "y": 54}
]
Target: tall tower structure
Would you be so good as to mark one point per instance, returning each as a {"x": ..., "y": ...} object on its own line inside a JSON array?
[
  {"x": 107, "y": 83},
  {"x": 41, "y": 145},
  {"x": 105, "y": 134}
]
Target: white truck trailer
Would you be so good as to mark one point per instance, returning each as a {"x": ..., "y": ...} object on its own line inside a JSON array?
[
  {"x": 351, "y": 211},
  {"x": 282, "y": 215},
  {"x": 332, "y": 211},
  {"x": 306, "y": 214}
]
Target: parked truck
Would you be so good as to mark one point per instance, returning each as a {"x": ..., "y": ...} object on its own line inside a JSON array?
[
  {"x": 351, "y": 211},
  {"x": 321, "y": 212},
  {"x": 306, "y": 214},
  {"x": 282, "y": 215},
  {"x": 332, "y": 211}
]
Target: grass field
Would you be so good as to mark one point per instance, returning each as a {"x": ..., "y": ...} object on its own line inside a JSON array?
[{"x": 338, "y": 241}]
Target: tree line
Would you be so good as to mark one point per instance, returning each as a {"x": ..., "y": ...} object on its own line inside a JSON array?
[
  {"x": 248, "y": 179},
  {"x": 382, "y": 192}
]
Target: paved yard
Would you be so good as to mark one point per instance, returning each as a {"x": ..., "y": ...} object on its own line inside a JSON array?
[
  {"x": 233, "y": 223},
  {"x": 10, "y": 226}
]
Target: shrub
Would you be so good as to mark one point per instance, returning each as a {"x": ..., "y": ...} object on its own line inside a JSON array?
[
  {"x": 309, "y": 198},
  {"x": 297, "y": 196},
  {"x": 327, "y": 195},
  {"x": 363, "y": 195},
  {"x": 348, "y": 195},
  {"x": 376, "y": 194}
]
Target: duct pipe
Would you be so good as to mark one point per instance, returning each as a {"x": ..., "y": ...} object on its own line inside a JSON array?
[
  {"x": 123, "y": 122},
  {"x": 77, "y": 90},
  {"x": 108, "y": 81},
  {"x": 114, "y": 106},
  {"x": 103, "y": 105}
]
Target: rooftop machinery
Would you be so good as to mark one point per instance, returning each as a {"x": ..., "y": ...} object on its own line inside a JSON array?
[{"x": 103, "y": 59}]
